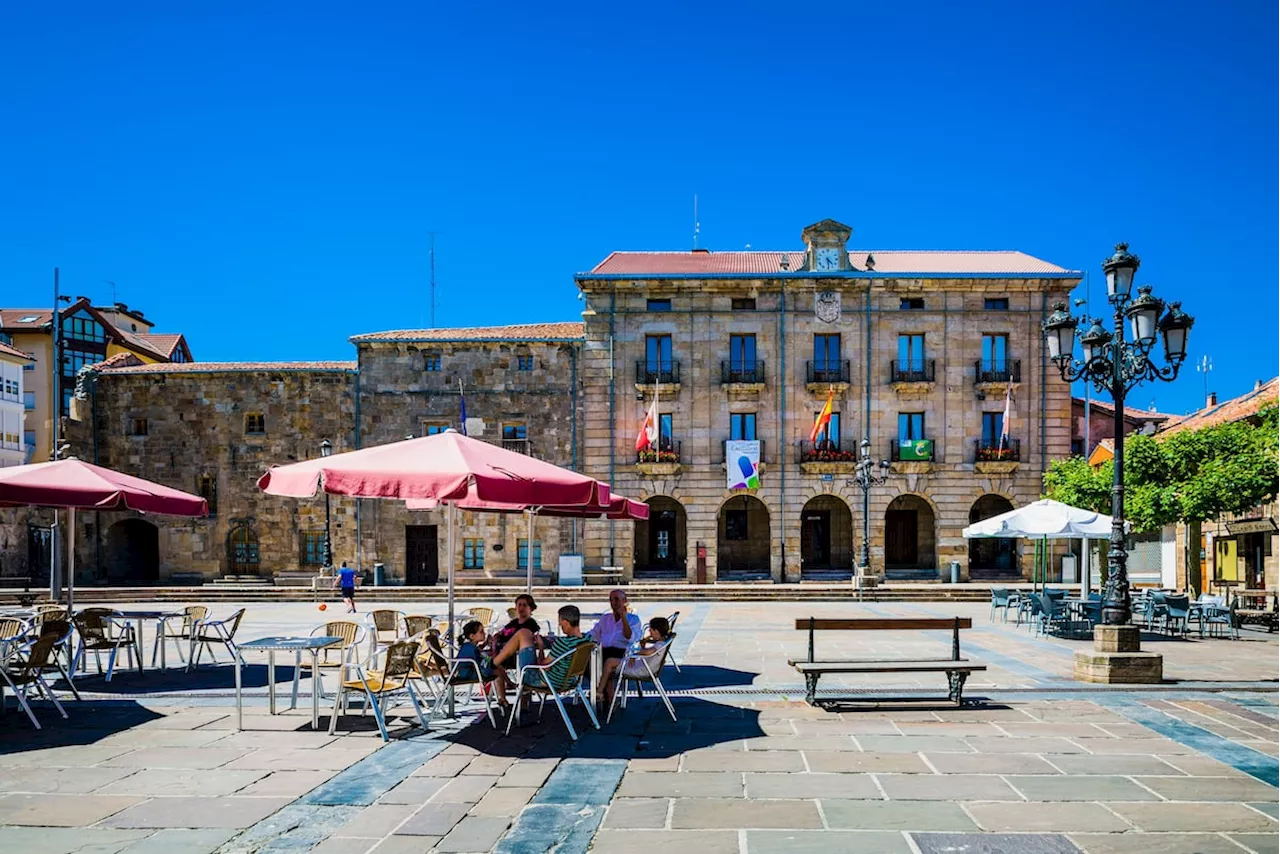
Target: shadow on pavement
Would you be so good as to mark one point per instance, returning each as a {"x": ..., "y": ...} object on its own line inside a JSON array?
[
  {"x": 220, "y": 677},
  {"x": 86, "y": 723}
]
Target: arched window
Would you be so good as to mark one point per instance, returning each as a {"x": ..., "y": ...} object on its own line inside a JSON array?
[{"x": 242, "y": 548}]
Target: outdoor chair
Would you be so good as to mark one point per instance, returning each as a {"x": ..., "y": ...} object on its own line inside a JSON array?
[
  {"x": 26, "y": 671},
  {"x": 205, "y": 633},
  {"x": 1171, "y": 614},
  {"x": 431, "y": 662},
  {"x": 671, "y": 628},
  {"x": 12, "y": 627},
  {"x": 1029, "y": 608},
  {"x": 180, "y": 635},
  {"x": 331, "y": 657},
  {"x": 484, "y": 615},
  {"x": 1217, "y": 615},
  {"x": 459, "y": 673},
  {"x": 416, "y": 624},
  {"x": 98, "y": 634},
  {"x": 535, "y": 679},
  {"x": 1053, "y": 614},
  {"x": 61, "y": 631},
  {"x": 384, "y": 630},
  {"x": 378, "y": 686},
  {"x": 1000, "y": 599},
  {"x": 642, "y": 670}
]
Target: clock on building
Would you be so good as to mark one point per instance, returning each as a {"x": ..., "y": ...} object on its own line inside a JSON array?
[{"x": 826, "y": 259}]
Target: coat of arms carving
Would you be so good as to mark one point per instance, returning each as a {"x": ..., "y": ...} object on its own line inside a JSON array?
[{"x": 826, "y": 306}]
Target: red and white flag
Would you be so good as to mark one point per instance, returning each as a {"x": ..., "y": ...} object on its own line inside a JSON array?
[
  {"x": 648, "y": 436},
  {"x": 1008, "y": 417}
]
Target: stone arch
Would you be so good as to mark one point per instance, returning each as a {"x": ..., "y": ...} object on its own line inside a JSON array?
[
  {"x": 995, "y": 557},
  {"x": 133, "y": 552},
  {"x": 826, "y": 536},
  {"x": 242, "y": 548},
  {"x": 910, "y": 532},
  {"x": 661, "y": 541},
  {"x": 744, "y": 539}
]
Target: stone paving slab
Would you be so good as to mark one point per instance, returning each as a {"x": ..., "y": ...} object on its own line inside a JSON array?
[
  {"x": 993, "y": 843},
  {"x": 811, "y": 786},
  {"x": 64, "y": 781},
  {"x": 1191, "y": 817},
  {"x": 1080, "y": 789},
  {"x": 710, "y": 813},
  {"x": 896, "y": 815},
  {"x": 63, "y": 840},
  {"x": 164, "y": 782},
  {"x": 180, "y": 841},
  {"x": 1158, "y": 843},
  {"x": 825, "y": 842},
  {"x": 62, "y": 810},
  {"x": 686, "y": 784},
  {"x": 195, "y": 812},
  {"x": 666, "y": 841},
  {"x": 474, "y": 833}
]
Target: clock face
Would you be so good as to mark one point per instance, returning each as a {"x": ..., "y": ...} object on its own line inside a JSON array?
[{"x": 827, "y": 260}]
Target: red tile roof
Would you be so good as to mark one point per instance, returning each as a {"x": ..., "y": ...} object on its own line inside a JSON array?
[
  {"x": 140, "y": 342},
  {"x": 164, "y": 343},
  {"x": 14, "y": 352},
  {"x": 1235, "y": 409},
  {"x": 9, "y": 318},
  {"x": 119, "y": 360},
  {"x": 559, "y": 331},
  {"x": 935, "y": 263},
  {"x": 1129, "y": 411},
  {"x": 229, "y": 367}
]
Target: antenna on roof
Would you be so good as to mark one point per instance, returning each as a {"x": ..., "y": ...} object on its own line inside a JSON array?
[
  {"x": 696, "y": 226},
  {"x": 113, "y": 290},
  {"x": 433, "y": 278},
  {"x": 1204, "y": 366}
]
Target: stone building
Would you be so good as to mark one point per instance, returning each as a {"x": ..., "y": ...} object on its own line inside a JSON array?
[
  {"x": 919, "y": 351},
  {"x": 1101, "y": 424}
]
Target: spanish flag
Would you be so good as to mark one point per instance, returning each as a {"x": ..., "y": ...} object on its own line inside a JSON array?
[{"x": 824, "y": 417}]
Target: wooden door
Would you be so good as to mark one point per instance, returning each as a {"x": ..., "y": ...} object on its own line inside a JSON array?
[
  {"x": 815, "y": 539},
  {"x": 900, "y": 544},
  {"x": 421, "y": 557}
]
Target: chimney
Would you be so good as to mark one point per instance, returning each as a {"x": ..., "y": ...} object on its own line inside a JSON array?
[
  {"x": 1257, "y": 384},
  {"x": 1211, "y": 400}
]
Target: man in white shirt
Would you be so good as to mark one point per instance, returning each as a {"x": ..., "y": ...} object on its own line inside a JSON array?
[{"x": 614, "y": 632}]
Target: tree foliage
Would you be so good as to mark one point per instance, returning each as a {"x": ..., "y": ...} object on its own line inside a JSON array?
[{"x": 1191, "y": 476}]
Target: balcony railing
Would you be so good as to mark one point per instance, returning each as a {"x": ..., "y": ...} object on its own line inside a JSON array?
[
  {"x": 741, "y": 372},
  {"x": 990, "y": 451},
  {"x": 667, "y": 451},
  {"x": 914, "y": 450},
  {"x": 826, "y": 372},
  {"x": 520, "y": 446},
  {"x": 1010, "y": 370},
  {"x": 653, "y": 373},
  {"x": 827, "y": 452},
  {"x": 911, "y": 371},
  {"x": 724, "y": 449}
]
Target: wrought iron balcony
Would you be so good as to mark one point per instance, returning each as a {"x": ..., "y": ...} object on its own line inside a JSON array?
[
  {"x": 917, "y": 371},
  {"x": 826, "y": 372},
  {"x": 911, "y": 450},
  {"x": 667, "y": 451},
  {"x": 1008, "y": 370},
  {"x": 991, "y": 451},
  {"x": 741, "y": 372},
  {"x": 657, "y": 372},
  {"x": 520, "y": 446},
  {"x": 827, "y": 452}
]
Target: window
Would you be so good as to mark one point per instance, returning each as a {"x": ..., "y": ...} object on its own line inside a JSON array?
[
  {"x": 911, "y": 303},
  {"x": 28, "y": 400},
  {"x": 992, "y": 427},
  {"x": 659, "y": 305},
  {"x": 743, "y": 303},
  {"x": 431, "y": 363},
  {"x": 255, "y": 424},
  {"x": 29, "y": 438},
  {"x": 910, "y": 426},
  {"x": 911, "y": 353},
  {"x": 742, "y": 425},
  {"x": 28, "y": 318},
  {"x": 82, "y": 327},
  {"x": 311, "y": 548},
  {"x": 735, "y": 524},
  {"x": 1077, "y": 447},
  {"x": 207, "y": 488},
  {"x": 178, "y": 357},
  {"x": 522, "y": 553},
  {"x": 74, "y": 360},
  {"x": 829, "y": 438},
  {"x": 665, "y": 432},
  {"x": 431, "y": 428},
  {"x": 137, "y": 426},
  {"x": 515, "y": 436},
  {"x": 524, "y": 363},
  {"x": 826, "y": 352},
  {"x": 657, "y": 353},
  {"x": 472, "y": 554},
  {"x": 996, "y": 303},
  {"x": 995, "y": 352},
  {"x": 742, "y": 353},
  {"x": 29, "y": 366}
]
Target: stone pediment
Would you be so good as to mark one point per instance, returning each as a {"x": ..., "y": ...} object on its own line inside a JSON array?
[{"x": 826, "y": 231}]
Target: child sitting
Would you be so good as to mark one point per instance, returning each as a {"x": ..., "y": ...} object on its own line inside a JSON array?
[
  {"x": 478, "y": 666},
  {"x": 659, "y": 631}
]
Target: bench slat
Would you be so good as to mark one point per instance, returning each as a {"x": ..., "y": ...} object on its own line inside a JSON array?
[
  {"x": 885, "y": 623},
  {"x": 888, "y": 667}
]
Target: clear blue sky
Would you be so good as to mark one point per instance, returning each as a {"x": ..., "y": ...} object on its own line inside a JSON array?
[{"x": 265, "y": 181}]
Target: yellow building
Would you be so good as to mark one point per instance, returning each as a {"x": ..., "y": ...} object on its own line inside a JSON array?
[{"x": 90, "y": 334}]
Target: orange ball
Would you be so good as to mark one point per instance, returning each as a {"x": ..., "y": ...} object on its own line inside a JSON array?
[{"x": 323, "y": 606}]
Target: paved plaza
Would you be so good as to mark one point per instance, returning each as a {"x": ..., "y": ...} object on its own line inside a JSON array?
[{"x": 1038, "y": 763}]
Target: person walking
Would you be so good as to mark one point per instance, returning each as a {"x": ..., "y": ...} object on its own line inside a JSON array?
[{"x": 347, "y": 579}]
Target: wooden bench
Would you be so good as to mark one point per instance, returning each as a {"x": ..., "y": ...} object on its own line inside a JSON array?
[
  {"x": 956, "y": 668},
  {"x": 602, "y": 575},
  {"x": 15, "y": 581},
  {"x": 1257, "y": 608}
]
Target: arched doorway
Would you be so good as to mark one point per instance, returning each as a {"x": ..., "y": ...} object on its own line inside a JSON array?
[
  {"x": 743, "y": 539},
  {"x": 996, "y": 557},
  {"x": 660, "y": 540},
  {"x": 133, "y": 552},
  {"x": 242, "y": 549},
  {"x": 826, "y": 538},
  {"x": 910, "y": 543}
]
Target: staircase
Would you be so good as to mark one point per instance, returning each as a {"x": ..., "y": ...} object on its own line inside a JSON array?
[
  {"x": 825, "y": 576},
  {"x": 995, "y": 576},
  {"x": 923, "y": 575}
]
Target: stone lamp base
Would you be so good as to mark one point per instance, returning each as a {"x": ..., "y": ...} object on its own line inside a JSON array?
[{"x": 1117, "y": 658}]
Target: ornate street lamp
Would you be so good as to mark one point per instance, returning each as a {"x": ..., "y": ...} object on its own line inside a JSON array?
[
  {"x": 865, "y": 476},
  {"x": 1115, "y": 365},
  {"x": 326, "y": 448}
]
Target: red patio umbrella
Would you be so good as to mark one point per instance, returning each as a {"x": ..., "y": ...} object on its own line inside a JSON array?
[{"x": 76, "y": 485}]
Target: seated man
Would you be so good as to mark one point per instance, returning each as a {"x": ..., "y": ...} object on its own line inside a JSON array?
[
  {"x": 527, "y": 648},
  {"x": 615, "y": 632}
]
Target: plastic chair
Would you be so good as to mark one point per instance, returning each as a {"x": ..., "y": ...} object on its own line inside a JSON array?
[
  {"x": 206, "y": 633},
  {"x": 643, "y": 670},
  {"x": 26, "y": 671},
  {"x": 378, "y": 686},
  {"x": 181, "y": 636},
  {"x": 1214, "y": 615},
  {"x": 999, "y": 599},
  {"x": 1174, "y": 613},
  {"x": 98, "y": 634},
  {"x": 535, "y": 679},
  {"x": 1052, "y": 613}
]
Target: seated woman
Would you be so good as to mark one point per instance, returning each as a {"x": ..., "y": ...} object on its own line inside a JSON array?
[{"x": 523, "y": 632}]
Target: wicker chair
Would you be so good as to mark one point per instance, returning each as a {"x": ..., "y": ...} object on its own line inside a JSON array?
[
  {"x": 416, "y": 624},
  {"x": 671, "y": 629},
  {"x": 484, "y": 615},
  {"x": 384, "y": 630},
  {"x": 331, "y": 657},
  {"x": 643, "y": 670},
  {"x": 98, "y": 634},
  {"x": 459, "y": 673},
  {"x": 378, "y": 686},
  {"x": 205, "y": 633},
  {"x": 26, "y": 671},
  {"x": 180, "y": 635},
  {"x": 579, "y": 660}
]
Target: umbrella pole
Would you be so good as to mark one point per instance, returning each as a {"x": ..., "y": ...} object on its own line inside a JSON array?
[
  {"x": 451, "y": 513},
  {"x": 71, "y": 561},
  {"x": 528, "y": 558}
]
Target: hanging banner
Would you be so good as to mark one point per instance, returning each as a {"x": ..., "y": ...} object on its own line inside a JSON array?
[{"x": 742, "y": 464}]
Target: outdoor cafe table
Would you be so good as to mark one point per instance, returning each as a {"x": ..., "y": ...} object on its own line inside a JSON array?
[
  {"x": 140, "y": 617},
  {"x": 296, "y": 645}
]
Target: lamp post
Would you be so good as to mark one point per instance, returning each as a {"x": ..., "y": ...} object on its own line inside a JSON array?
[
  {"x": 1114, "y": 365},
  {"x": 326, "y": 448},
  {"x": 865, "y": 476}
]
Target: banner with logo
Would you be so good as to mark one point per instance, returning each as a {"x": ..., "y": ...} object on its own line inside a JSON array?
[
  {"x": 742, "y": 463},
  {"x": 915, "y": 449}
]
